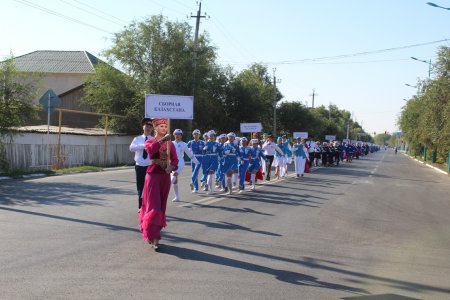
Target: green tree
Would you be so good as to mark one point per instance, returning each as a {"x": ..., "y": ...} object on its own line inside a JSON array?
[
  {"x": 381, "y": 139},
  {"x": 250, "y": 97},
  {"x": 156, "y": 57},
  {"x": 425, "y": 119},
  {"x": 17, "y": 94}
]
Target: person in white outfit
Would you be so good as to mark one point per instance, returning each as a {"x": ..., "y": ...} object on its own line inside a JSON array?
[
  {"x": 269, "y": 148},
  {"x": 300, "y": 157},
  {"x": 141, "y": 157},
  {"x": 182, "y": 149}
]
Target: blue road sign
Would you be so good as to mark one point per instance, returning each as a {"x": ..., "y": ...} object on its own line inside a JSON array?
[{"x": 50, "y": 99}]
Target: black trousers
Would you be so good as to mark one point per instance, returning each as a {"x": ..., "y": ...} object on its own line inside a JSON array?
[
  {"x": 269, "y": 165},
  {"x": 140, "y": 181}
]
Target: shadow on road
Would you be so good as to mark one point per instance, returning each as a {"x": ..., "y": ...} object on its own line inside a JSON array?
[
  {"x": 291, "y": 277},
  {"x": 31, "y": 193},
  {"x": 93, "y": 223},
  {"x": 222, "y": 225},
  {"x": 244, "y": 210},
  {"x": 282, "y": 275},
  {"x": 380, "y": 297}
]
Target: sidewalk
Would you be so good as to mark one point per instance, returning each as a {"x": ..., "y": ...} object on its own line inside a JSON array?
[{"x": 426, "y": 164}]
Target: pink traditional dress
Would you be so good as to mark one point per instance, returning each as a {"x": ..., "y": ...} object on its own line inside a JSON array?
[{"x": 152, "y": 217}]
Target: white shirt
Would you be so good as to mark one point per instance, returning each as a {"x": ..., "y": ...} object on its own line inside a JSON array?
[
  {"x": 137, "y": 146},
  {"x": 311, "y": 146},
  {"x": 182, "y": 148},
  {"x": 270, "y": 148}
]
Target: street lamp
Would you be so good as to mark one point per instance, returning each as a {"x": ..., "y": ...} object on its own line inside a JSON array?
[
  {"x": 427, "y": 62},
  {"x": 435, "y": 5}
]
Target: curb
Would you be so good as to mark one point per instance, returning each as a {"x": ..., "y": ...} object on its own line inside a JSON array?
[
  {"x": 428, "y": 165},
  {"x": 28, "y": 176}
]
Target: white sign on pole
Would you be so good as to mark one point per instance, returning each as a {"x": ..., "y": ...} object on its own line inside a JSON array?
[
  {"x": 302, "y": 135},
  {"x": 330, "y": 137},
  {"x": 251, "y": 127},
  {"x": 169, "y": 106},
  {"x": 346, "y": 141}
]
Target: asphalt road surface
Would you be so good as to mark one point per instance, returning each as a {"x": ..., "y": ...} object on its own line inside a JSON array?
[{"x": 378, "y": 228}]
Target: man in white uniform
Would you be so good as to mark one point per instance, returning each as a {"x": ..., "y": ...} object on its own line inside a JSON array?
[
  {"x": 182, "y": 149},
  {"x": 140, "y": 156}
]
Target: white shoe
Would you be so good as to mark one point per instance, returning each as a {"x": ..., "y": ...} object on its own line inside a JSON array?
[
  {"x": 195, "y": 191},
  {"x": 241, "y": 191},
  {"x": 205, "y": 188},
  {"x": 230, "y": 191},
  {"x": 202, "y": 184},
  {"x": 175, "y": 199},
  {"x": 156, "y": 244},
  {"x": 209, "y": 193},
  {"x": 253, "y": 188},
  {"x": 191, "y": 186}
]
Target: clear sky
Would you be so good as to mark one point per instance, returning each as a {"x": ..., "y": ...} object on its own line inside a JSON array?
[{"x": 293, "y": 36}]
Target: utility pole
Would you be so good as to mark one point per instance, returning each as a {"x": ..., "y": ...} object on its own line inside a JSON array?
[
  {"x": 313, "y": 95},
  {"x": 194, "y": 57},
  {"x": 348, "y": 127},
  {"x": 197, "y": 27},
  {"x": 275, "y": 102}
]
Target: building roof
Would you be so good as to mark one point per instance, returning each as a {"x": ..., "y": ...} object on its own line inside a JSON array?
[{"x": 50, "y": 61}]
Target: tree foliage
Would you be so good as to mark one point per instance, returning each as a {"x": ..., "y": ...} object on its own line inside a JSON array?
[
  {"x": 425, "y": 119},
  {"x": 319, "y": 121},
  {"x": 17, "y": 96},
  {"x": 156, "y": 56}
]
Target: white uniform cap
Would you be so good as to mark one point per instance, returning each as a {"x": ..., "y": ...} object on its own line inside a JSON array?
[
  {"x": 196, "y": 131},
  {"x": 211, "y": 132},
  {"x": 222, "y": 136},
  {"x": 231, "y": 134},
  {"x": 254, "y": 141},
  {"x": 178, "y": 131},
  {"x": 243, "y": 139}
]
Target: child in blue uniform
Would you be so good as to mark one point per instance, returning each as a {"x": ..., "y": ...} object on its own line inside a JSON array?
[
  {"x": 230, "y": 161},
  {"x": 244, "y": 161},
  {"x": 204, "y": 175},
  {"x": 256, "y": 154},
  {"x": 220, "y": 176},
  {"x": 280, "y": 159},
  {"x": 301, "y": 156},
  {"x": 288, "y": 150},
  {"x": 210, "y": 164},
  {"x": 196, "y": 146}
]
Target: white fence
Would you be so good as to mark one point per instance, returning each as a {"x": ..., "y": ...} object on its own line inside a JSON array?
[{"x": 30, "y": 151}]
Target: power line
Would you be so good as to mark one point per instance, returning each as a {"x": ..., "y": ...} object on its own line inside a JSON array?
[
  {"x": 229, "y": 37},
  {"x": 359, "y": 53},
  {"x": 166, "y": 7},
  {"x": 52, "y": 12},
  {"x": 318, "y": 60},
  {"x": 183, "y": 4},
  {"x": 90, "y": 12},
  {"x": 100, "y": 11}
]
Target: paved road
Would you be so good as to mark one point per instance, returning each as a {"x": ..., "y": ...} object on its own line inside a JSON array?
[{"x": 377, "y": 227}]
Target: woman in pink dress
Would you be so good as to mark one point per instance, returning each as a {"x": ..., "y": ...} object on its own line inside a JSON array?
[{"x": 152, "y": 218}]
